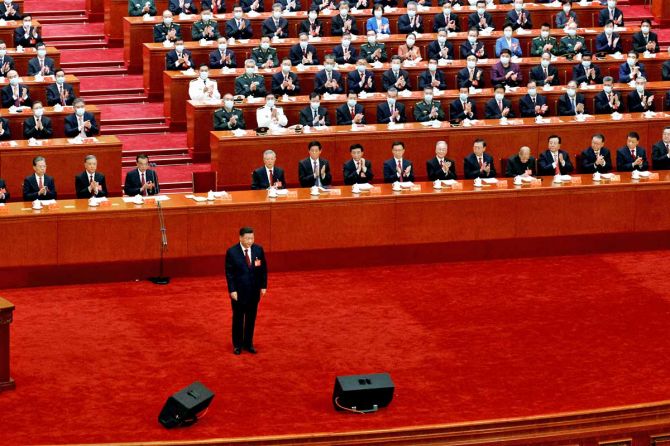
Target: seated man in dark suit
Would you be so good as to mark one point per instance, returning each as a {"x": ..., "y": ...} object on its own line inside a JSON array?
[
  {"x": 252, "y": 5},
  {"x": 182, "y": 7},
  {"x": 10, "y": 11},
  {"x": 222, "y": 56},
  {"x": 473, "y": 45},
  {"x": 80, "y": 123},
  {"x": 645, "y": 40},
  {"x": 597, "y": 158},
  {"x": 554, "y": 161},
  {"x": 608, "y": 41},
  {"x": 238, "y": 27},
  {"x": 440, "y": 167},
  {"x": 141, "y": 181},
  {"x": 90, "y": 183},
  {"x": 27, "y": 35},
  {"x": 361, "y": 79},
  {"x": 314, "y": 115},
  {"x": 39, "y": 186},
  {"x": 631, "y": 69},
  {"x": 480, "y": 19},
  {"x": 275, "y": 25},
  {"x": 37, "y": 126},
  {"x": 545, "y": 73},
  {"x": 533, "y": 104},
  {"x": 167, "y": 30},
  {"x": 303, "y": 53},
  {"x": 343, "y": 22},
  {"x": 447, "y": 20},
  {"x": 519, "y": 17},
  {"x": 640, "y": 100},
  {"x": 631, "y": 157},
  {"x": 433, "y": 77},
  {"x": 521, "y": 164},
  {"x": 290, "y": 5},
  {"x": 498, "y": 107},
  {"x": 4, "y": 193},
  {"x": 410, "y": 22},
  {"x": 610, "y": 14},
  {"x": 328, "y": 80},
  {"x": 178, "y": 58},
  {"x": 41, "y": 64},
  {"x": 479, "y": 164},
  {"x": 351, "y": 112},
  {"x": 586, "y": 72},
  {"x": 314, "y": 170},
  {"x": 6, "y": 61},
  {"x": 391, "y": 110},
  {"x": 395, "y": 76},
  {"x": 269, "y": 175},
  {"x": 463, "y": 107},
  {"x": 60, "y": 92},
  {"x": 228, "y": 117},
  {"x": 571, "y": 103},
  {"x": 344, "y": 52},
  {"x": 470, "y": 76},
  {"x": 357, "y": 170},
  {"x": 138, "y": 8},
  {"x": 5, "y": 131},
  {"x": 285, "y": 81},
  {"x": 608, "y": 101},
  {"x": 441, "y": 48},
  {"x": 660, "y": 152},
  {"x": 15, "y": 94},
  {"x": 398, "y": 168}
]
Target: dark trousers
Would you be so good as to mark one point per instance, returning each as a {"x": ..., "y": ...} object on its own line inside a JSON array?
[{"x": 244, "y": 321}]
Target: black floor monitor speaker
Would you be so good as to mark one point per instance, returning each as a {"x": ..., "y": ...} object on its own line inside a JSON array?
[
  {"x": 182, "y": 408},
  {"x": 363, "y": 393}
]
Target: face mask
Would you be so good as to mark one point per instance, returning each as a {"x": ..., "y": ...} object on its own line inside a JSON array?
[
  {"x": 8, "y": 2},
  {"x": 391, "y": 101},
  {"x": 303, "y": 45},
  {"x": 276, "y": 14},
  {"x": 249, "y": 70},
  {"x": 26, "y": 24},
  {"x": 499, "y": 96},
  {"x": 378, "y": 14},
  {"x": 237, "y": 14},
  {"x": 270, "y": 103},
  {"x": 223, "y": 47},
  {"x": 344, "y": 12},
  {"x": 463, "y": 97},
  {"x": 228, "y": 104},
  {"x": 372, "y": 40},
  {"x": 351, "y": 103},
  {"x": 566, "y": 10},
  {"x": 410, "y": 42},
  {"x": 80, "y": 111},
  {"x": 395, "y": 67},
  {"x": 472, "y": 40},
  {"x": 544, "y": 34},
  {"x": 446, "y": 11},
  {"x": 3, "y": 53},
  {"x": 544, "y": 63},
  {"x": 315, "y": 105},
  {"x": 441, "y": 39},
  {"x": 571, "y": 92},
  {"x": 312, "y": 16},
  {"x": 508, "y": 33},
  {"x": 586, "y": 63},
  {"x": 41, "y": 53},
  {"x": 167, "y": 20},
  {"x": 607, "y": 89},
  {"x": 432, "y": 67},
  {"x": 611, "y": 4},
  {"x": 504, "y": 60},
  {"x": 640, "y": 88},
  {"x": 480, "y": 11},
  {"x": 609, "y": 31},
  {"x": 346, "y": 43},
  {"x": 206, "y": 18},
  {"x": 360, "y": 68},
  {"x": 411, "y": 14},
  {"x": 428, "y": 98},
  {"x": 286, "y": 68},
  {"x": 518, "y": 7},
  {"x": 631, "y": 61},
  {"x": 645, "y": 29},
  {"x": 39, "y": 112},
  {"x": 532, "y": 91},
  {"x": 60, "y": 80},
  {"x": 204, "y": 75},
  {"x": 471, "y": 64},
  {"x": 179, "y": 48},
  {"x": 14, "y": 81},
  {"x": 329, "y": 67},
  {"x": 572, "y": 32}
]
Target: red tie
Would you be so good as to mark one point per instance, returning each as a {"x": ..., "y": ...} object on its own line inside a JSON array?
[
  {"x": 143, "y": 182},
  {"x": 352, "y": 112},
  {"x": 481, "y": 163},
  {"x": 399, "y": 170},
  {"x": 39, "y": 183},
  {"x": 272, "y": 178},
  {"x": 247, "y": 258},
  {"x": 632, "y": 153},
  {"x": 557, "y": 171}
]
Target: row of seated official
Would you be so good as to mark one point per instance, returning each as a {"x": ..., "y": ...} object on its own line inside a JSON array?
[
  {"x": 17, "y": 94},
  {"x": 315, "y": 170},
  {"x": 41, "y": 64},
  {"x": 79, "y": 123}
]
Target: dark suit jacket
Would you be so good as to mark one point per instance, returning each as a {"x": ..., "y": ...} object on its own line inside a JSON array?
[
  {"x": 565, "y": 107},
  {"x": 579, "y": 74},
  {"x": 29, "y": 130},
  {"x": 72, "y": 127},
  {"x": 173, "y": 6},
  {"x": 425, "y": 80},
  {"x": 260, "y": 180},
  {"x": 133, "y": 182},
  {"x": 343, "y": 114},
  {"x": 4, "y": 186},
  {"x": 456, "y": 111},
  {"x": 321, "y": 78},
  {"x": 471, "y": 167},
  {"x": 34, "y": 66},
  {"x": 467, "y": 49},
  {"x": 216, "y": 61},
  {"x": 463, "y": 78},
  {"x": 389, "y": 79},
  {"x": 516, "y": 167},
  {"x": 625, "y": 71},
  {"x": 17, "y": 12},
  {"x": 9, "y": 60},
  {"x": 513, "y": 17},
  {"x": 20, "y": 37},
  {"x": 53, "y": 97},
  {"x": 589, "y": 160},
  {"x": 307, "y": 118},
  {"x": 338, "y": 52},
  {"x": 352, "y": 177},
  {"x": 246, "y": 5},
  {"x": 498, "y": 73},
  {"x": 354, "y": 78},
  {"x": 81, "y": 183},
  {"x": 635, "y": 102},
  {"x": 440, "y": 21},
  {"x": 233, "y": 31},
  {"x": 604, "y": 16},
  {"x": 278, "y": 79},
  {"x": 492, "y": 111},
  {"x": 306, "y": 27},
  {"x": 435, "y": 172},
  {"x": 603, "y": 105},
  {"x": 537, "y": 75},
  {"x": 640, "y": 44},
  {"x": 31, "y": 189},
  {"x": 391, "y": 173},
  {"x": 384, "y": 112},
  {"x": 337, "y": 24},
  {"x": 306, "y": 172},
  {"x": 659, "y": 156},
  {"x": 624, "y": 160},
  {"x": 7, "y": 97},
  {"x": 434, "y": 50},
  {"x": 602, "y": 45},
  {"x": 473, "y": 20},
  {"x": 527, "y": 107},
  {"x": 404, "y": 26},
  {"x": 7, "y": 134},
  {"x": 547, "y": 159},
  {"x": 171, "y": 60},
  {"x": 268, "y": 28},
  {"x": 246, "y": 281},
  {"x": 295, "y": 54}
]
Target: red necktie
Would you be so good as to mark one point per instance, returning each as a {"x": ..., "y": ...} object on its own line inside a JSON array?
[
  {"x": 143, "y": 182},
  {"x": 557, "y": 171},
  {"x": 442, "y": 163},
  {"x": 247, "y": 258},
  {"x": 272, "y": 178},
  {"x": 399, "y": 170},
  {"x": 39, "y": 183},
  {"x": 481, "y": 163},
  {"x": 352, "y": 112},
  {"x": 632, "y": 153}
]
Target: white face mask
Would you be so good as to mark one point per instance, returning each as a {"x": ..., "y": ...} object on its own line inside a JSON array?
[
  {"x": 303, "y": 45},
  {"x": 471, "y": 64},
  {"x": 508, "y": 33},
  {"x": 611, "y": 4},
  {"x": 3, "y": 53},
  {"x": 571, "y": 92},
  {"x": 351, "y": 103},
  {"x": 315, "y": 105},
  {"x": 428, "y": 98},
  {"x": 609, "y": 31},
  {"x": 204, "y": 75},
  {"x": 286, "y": 68},
  {"x": 167, "y": 20},
  {"x": 206, "y": 18},
  {"x": 607, "y": 89},
  {"x": 344, "y": 12},
  {"x": 372, "y": 40},
  {"x": 346, "y": 43},
  {"x": 38, "y": 112},
  {"x": 80, "y": 111},
  {"x": 276, "y": 14},
  {"x": 518, "y": 6},
  {"x": 249, "y": 70},
  {"x": 544, "y": 34},
  {"x": 312, "y": 16},
  {"x": 41, "y": 53},
  {"x": 329, "y": 67},
  {"x": 447, "y": 11},
  {"x": 631, "y": 61},
  {"x": 481, "y": 11},
  {"x": 645, "y": 29},
  {"x": 586, "y": 63},
  {"x": 639, "y": 88},
  {"x": 378, "y": 14},
  {"x": 463, "y": 97},
  {"x": 572, "y": 32},
  {"x": 360, "y": 68},
  {"x": 391, "y": 101},
  {"x": 442, "y": 40},
  {"x": 270, "y": 103},
  {"x": 223, "y": 47},
  {"x": 237, "y": 14},
  {"x": 411, "y": 13},
  {"x": 499, "y": 96},
  {"x": 410, "y": 42},
  {"x": 432, "y": 67},
  {"x": 395, "y": 67},
  {"x": 544, "y": 63},
  {"x": 228, "y": 104},
  {"x": 265, "y": 46},
  {"x": 179, "y": 48},
  {"x": 472, "y": 40},
  {"x": 532, "y": 91},
  {"x": 504, "y": 60},
  {"x": 566, "y": 9},
  {"x": 60, "y": 80},
  {"x": 14, "y": 81}
]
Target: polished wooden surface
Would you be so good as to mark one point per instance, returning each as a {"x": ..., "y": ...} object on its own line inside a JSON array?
[
  {"x": 235, "y": 157},
  {"x": 154, "y": 53},
  {"x": 38, "y": 89},
  {"x": 21, "y": 58},
  {"x": 57, "y": 119},
  {"x": 6, "y": 317},
  {"x": 64, "y": 161}
]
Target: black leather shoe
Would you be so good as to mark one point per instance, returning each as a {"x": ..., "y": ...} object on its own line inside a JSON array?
[
  {"x": 237, "y": 351},
  {"x": 252, "y": 350}
]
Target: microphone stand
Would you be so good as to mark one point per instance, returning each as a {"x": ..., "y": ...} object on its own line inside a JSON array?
[{"x": 161, "y": 279}]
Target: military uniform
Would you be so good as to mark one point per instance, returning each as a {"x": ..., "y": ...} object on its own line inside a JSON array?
[
  {"x": 538, "y": 43},
  {"x": 198, "y": 30},
  {"x": 260, "y": 57},
  {"x": 568, "y": 44},
  {"x": 243, "y": 85},
  {"x": 422, "y": 111},
  {"x": 196, "y": 89},
  {"x": 161, "y": 30},
  {"x": 368, "y": 49},
  {"x": 222, "y": 118}
]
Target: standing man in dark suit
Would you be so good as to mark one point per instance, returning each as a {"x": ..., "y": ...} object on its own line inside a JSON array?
[
  {"x": 39, "y": 186},
  {"x": 397, "y": 168},
  {"x": 60, "y": 92},
  {"x": 357, "y": 170},
  {"x": 141, "y": 181},
  {"x": 167, "y": 30},
  {"x": 37, "y": 126},
  {"x": 554, "y": 161},
  {"x": 26, "y": 35},
  {"x": 269, "y": 175},
  {"x": 4, "y": 193},
  {"x": 41, "y": 64},
  {"x": 90, "y": 183},
  {"x": 631, "y": 157},
  {"x": 521, "y": 164},
  {"x": 314, "y": 115},
  {"x": 6, "y": 61},
  {"x": 247, "y": 278},
  {"x": 463, "y": 107},
  {"x": 645, "y": 40},
  {"x": 238, "y": 27},
  {"x": 391, "y": 110},
  {"x": 440, "y": 167},
  {"x": 81, "y": 122},
  {"x": 661, "y": 152},
  {"x": 597, "y": 158},
  {"x": 314, "y": 170},
  {"x": 479, "y": 164}
]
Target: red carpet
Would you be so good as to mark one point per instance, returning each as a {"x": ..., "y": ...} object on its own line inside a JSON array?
[{"x": 462, "y": 341}]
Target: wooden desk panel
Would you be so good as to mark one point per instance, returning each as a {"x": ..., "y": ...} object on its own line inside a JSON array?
[
  {"x": 57, "y": 119},
  {"x": 234, "y": 158},
  {"x": 64, "y": 161},
  {"x": 154, "y": 53},
  {"x": 135, "y": 31},
  {"x": 7, "y": 30},
  {"x": 38, "y": 89},
  {"x": 21, "y": 58}
]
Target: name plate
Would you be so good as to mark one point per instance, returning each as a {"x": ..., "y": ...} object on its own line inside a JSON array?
[
  {"x": 576, "y": 180},
  {"x": 501, "y": 184},
  {"x": 334, "y": 192}
]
